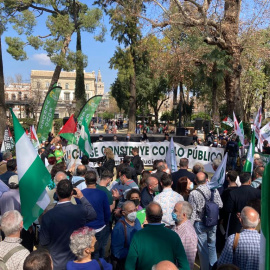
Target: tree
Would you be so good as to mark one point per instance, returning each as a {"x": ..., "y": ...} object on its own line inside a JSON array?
[
  {"x": 79, "y": 82},
  {"x": 125, "y": 29},
  {"x": 64, "y": 17},
  {"x": 220, "y": 24}
]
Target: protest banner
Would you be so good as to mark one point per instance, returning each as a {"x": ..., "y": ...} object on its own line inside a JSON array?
[
  {"x": 47, "y": 113},
  {"x": 150, "y": 152}
]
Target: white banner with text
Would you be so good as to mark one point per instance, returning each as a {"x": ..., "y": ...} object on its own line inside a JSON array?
[{"x": 150, "y": 152}]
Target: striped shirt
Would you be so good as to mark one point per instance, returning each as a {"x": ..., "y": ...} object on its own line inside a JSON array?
[{"x": 189, "y": 240}]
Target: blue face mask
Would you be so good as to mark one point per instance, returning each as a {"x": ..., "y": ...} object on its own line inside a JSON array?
[
  {"x": 191, "y": 186},
  {"x": 174, "y": 217}
]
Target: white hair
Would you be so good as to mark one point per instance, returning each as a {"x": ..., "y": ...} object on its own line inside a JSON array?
[
  {"x": 123, "y": 207},
  {"x": 80, "y": 240},
  {"x": 186, "y": 208},
  {"x": 11, "y": 222},
  {"x": 246, "y": 222},
  {"x": 59, "y": 176}
]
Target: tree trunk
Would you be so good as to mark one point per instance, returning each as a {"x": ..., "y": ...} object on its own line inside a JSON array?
[
  {"x": 79, "y": 83},
  {"x": 132, "y": 104},
  {"x": 174, "y": 102},
  {"x": 263, "y": 104},
  {"x": 215, "y": 110},
  {"x": 230, "y": 32},
  {"x": 181, "y": 104},
  {"x": 156, "y": 115},
  {"x": 2, "y": 97},
  {"x": 58, "y": 68}
]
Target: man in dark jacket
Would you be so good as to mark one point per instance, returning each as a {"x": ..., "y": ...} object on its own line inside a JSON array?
[
  {"x": 182, "y": 172},
  {"x": 238, "y": 199},
  {"x": 60, "y": 222},
  {"x": 136, "y": 161}
]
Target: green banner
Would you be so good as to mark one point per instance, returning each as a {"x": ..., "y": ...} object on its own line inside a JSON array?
[
  {"x": 47, "y": 113},
  {"x": 89, "y": 109}
]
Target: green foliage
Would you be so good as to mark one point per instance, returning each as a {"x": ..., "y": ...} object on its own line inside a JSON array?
[
  {"x": 167, "y": 116},
  {"x": 27, "y": 122},
  {"x": 201, "y": 115},
  {"x": 107, "y": 115},
  {"x": 16, "y": 48},
  {"x": 57, "y": 123},
  {"x": 62, "y": 20}
]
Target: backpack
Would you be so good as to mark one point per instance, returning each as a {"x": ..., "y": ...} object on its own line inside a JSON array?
[
  {"x": 211, "y": 211},
  {"x": 4, "y": 260}
]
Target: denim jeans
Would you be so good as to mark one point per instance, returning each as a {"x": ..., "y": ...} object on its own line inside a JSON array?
[
  {"x": 206, "y": 245},
  {"x": 232, "y": 162},
  {"x": 102, "y": 239}
]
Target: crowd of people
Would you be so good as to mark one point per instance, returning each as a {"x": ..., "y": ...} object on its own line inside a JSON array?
[{"x": 131, "y": 217}]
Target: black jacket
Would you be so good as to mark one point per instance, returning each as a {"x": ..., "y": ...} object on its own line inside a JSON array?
[
  {"x": 137, "y": 163},
  {"x": 237, "y": 200},
  {"x": 57, "y": 226}
]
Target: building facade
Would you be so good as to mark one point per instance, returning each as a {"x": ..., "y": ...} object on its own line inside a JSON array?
[
  {"x": 17, "y": 96},
  {"x": 40, "y": 82}
]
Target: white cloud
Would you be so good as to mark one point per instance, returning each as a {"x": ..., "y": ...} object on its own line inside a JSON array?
[{"x": 42, "y": 59}]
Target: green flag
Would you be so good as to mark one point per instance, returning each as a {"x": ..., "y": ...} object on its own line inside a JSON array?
[
  {"x": 89, "y": 109},
  {"x": 85, "y": 140},
  {"x": 33, "y": 176},
  {"x": 265, "y": 220},
  {"x": 240, "y": 143},
  {"x": 248, "y": 167},
  {"x": 47, "y": 113}
]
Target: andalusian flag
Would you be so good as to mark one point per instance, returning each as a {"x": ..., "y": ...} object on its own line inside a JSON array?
[
  {"x": 33, "y": 177},
  {"x": 85, "y": 140},
  {"x": 265, "y": 221},
  {"x": 68, "y": 130},
  {"x": 248, "y": 167}
]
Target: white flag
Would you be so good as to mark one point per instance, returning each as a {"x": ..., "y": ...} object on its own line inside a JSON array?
[
  {"x": 170, "y": 157},
  {"x": 237, "y": 129},
  {"x": 264, "y": 135},
  {"x": 219, "y": 177},
  {"x": 257, "y": 123}
]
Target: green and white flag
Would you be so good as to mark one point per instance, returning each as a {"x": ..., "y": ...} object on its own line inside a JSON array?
[
  {"x": 248, "y": 167},
  {"x": 265, "y": 221},
  {"x": 243, "y": 134},
  {"x": 85, "y": 141},
  {"x": 88, "y": 110},
  {"x": 33, "y": 177}
]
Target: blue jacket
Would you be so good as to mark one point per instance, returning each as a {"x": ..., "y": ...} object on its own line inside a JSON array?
[
  {"x": 118, "y": 238},
  {"x": 99, "y": 201}
]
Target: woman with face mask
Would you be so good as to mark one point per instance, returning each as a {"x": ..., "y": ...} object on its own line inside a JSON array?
[
  {"x": 122, "y": 234},
  {"x": 82, "y": 244},
  {"x": 184, "y": 187}
]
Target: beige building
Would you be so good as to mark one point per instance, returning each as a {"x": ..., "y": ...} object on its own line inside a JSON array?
[
  {"x": 17, "y": 96},
  {"x": 40, "y": 81}
]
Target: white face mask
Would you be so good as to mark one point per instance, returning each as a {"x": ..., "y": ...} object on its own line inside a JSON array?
[
  {"x": 132, "y": 216},
  {"x": 57, "y": 147}
]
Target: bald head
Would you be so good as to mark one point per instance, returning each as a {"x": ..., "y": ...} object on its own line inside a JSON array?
[
  {"x": 200, "y": 178},
  {"x": 81, "y": 170},
  {"x": 59, "y": 176},
  {"x": 164, "y": 265},
  {"x": 153, "y": 212},
  {"x": 249, "y": 218}
]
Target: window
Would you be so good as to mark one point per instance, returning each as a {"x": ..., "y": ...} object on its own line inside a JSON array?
[
  {"x": 20, "y": 95},
  {"x": 38, "y": 85},
  {"x": 25, "y": 97},
  {"x": 13, "y": 97},
  {"x": 47, "y": 84},
  {"x": 87, "y": 96},
  {"x": 67, "y": 96},
  {"x": 59, "y": 84},
  {"x": 67, "y": 86},
  {"x": 87, "y": 86}
]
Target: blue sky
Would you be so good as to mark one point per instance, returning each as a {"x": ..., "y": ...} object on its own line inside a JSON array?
[{"x": 98, "y": 55}]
